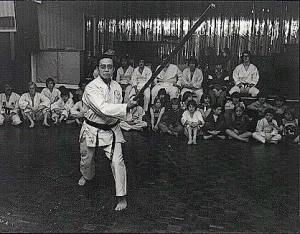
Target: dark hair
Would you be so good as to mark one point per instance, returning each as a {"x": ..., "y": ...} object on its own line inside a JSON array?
[
  {"x": 32, "y": 83},
  {"x": 63, "y": 91},
  {"x": 289, "y": 110},
  {"x": 156, "y": 99},
  {"x": 186, "y": 95},
  {"x": 239, "y": 106},
  {"x": 246, "y": 52},
  {"x": 49, "y": 80},
  {"x": 162, "y": 91},
  {"x": 81, "y": 82},
  {"x": 262, "y": 95},
  {"x": 175, "y": 101},
  {"x": 279, "y": 98},
  {"x": 270, "y": 111},
  {"x": 205, "y": 95},
  {"x": 104, "y": 56},
  {"x": 193, "y": 60},
  {"x": 235, "y": 95},
  {"x": 215, "y": 106},
  {"x": 191, "y": 103}
]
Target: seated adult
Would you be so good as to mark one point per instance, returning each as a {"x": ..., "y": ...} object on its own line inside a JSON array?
[
  {"x": 192, "y": 79},
  {"x": 218, "y": 82},
  {"x": 245, "y": 77},
  {"x": 167, "y": 79},
  {"x": 124, "y": 74},
  {"x": 140, "y": 76},
  {"x": 34, "y": 106},
  {"x": 9, "y": 106},
  {"x": 52, "y": 93}
]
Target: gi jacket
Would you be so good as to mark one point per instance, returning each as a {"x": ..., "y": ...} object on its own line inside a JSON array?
[
  {"x": 104, "y": 106},
  {"x": 12, "y": 103}
]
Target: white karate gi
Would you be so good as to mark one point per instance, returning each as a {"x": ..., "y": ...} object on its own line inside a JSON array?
[
  {"x": 78, "y": 110},
  {"x": 240, "y": 75},
  {"x": 104, "y": 106},
  {"x": 52, "y": 96},
  {"x": 139, "y": 80},
  {"x": 60, "y": 108},
  {"x": 38, "y": 100},
  {"x": 136, "y": 117},
  {"x": 195, "y": 81},
  {"x": 13, "y": 104},
  {"x": 186, "y": 116},
  {"x": 166, "y": 79},
  {"x": 265, "y": 130},
  {"x": 124, "y": 79}
]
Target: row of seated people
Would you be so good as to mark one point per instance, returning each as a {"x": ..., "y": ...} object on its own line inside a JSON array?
[
  {"x": 167, "y": 115},
  {"x": 51, "y": 104},
  {"x": 260, "y": 120},
  {"x": 218, "y": 83}
]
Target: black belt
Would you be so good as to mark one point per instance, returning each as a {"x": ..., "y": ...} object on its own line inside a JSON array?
[{"x": 105, "y": 127}]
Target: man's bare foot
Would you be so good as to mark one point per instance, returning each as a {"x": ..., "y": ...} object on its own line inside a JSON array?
[
  {"x": 122, "y": 204},
  {"x": 206, "y": 137},
  {"x": 194, "y": 141},
  {"x": 244, "y": 139},
  {"x": 221, "y": 137},
  {"x": 31, "y": 125},
  {"x": 81, "y": 181},
  {"x": 190, "y": 142},
  {"x": 46, "y": 124}
]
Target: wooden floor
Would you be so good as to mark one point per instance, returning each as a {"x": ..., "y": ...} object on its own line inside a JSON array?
[{"x": 216, "y": 186}]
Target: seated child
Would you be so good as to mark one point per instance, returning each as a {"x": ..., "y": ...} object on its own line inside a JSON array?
[
  {"x": 9, "y": 106},
  {"x": 192, "y": 121},
  {"x": 280, "y": 108},
  {"x": 134, "y": 120},
  {"x": 232, "y": 102},
  {"x": 205, "y": 107},
  {"x": 164, "y": 97},
  {"x": 267, "y": 128},
  {"x": 170, "y": 122},
  {"x": 34, "y": 106},
  {"x": 290, "y": 126},
  {"x": 239, "y": 127},
  {"x": 60, "y": 109},
  {"x": 156, "y": 112},
  {"x": 77, "y": 111},
  {"x": 214, "y": 124},
  {"x": 50, "y": 91},
  {"x": 187, "y": 96},
  {"x": 258, "y": 107}
]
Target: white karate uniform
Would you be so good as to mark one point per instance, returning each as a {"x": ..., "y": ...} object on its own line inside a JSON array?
[
  {"x": 264, "y": 130},
  {"x": 140, "y": 79},
  {"x": 186, "y": 116},
  {"x": 38, "y": 100},
  {"x": 124, "y": 79},
  {"x": 195, "y": 81},
  {"x": 60, "y": 108},
  {"x": 240, "y": 75},
  {"x": 166, "y": 79},
  {"x": 78, "y": 110},
  {"x": 104, "y": 106},
  {"x": 135, "y": 115},
  {"x": 13, "y": 104},
  {"x": 52, "y": 96}
]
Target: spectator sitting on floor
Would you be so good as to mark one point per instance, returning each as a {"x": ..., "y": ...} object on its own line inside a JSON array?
[
  {"x": 192, "y": 121},
  {"x": 205, "y": 106},
  {"x": 187, "y": 96},
  {"x": 60, "y": 110},
  {"x": 267, "y": 128},
  {"x": 9, "y": 106},
  {"x": 290, "y": 126},
  {"x": 234, "y": 101},
  {"x": 214, "y": 124},
  {"x": 156, "y": 112},
  {"x": 50, "y": 91},
  {"x": 218, "y": 83},
  {"x": 171, "y": 119},
  {"x": 239, "y": 128},
  {"x": 134, "y": 120},
  {"x": 280, "y": 108},
  {"x": 164, "y": 97},
  {"x": 34, "y": 106},
  {"x": 258, "y": 107},
  {"x": 245, "y": 77},
  {"x": 77, "y": 111}
]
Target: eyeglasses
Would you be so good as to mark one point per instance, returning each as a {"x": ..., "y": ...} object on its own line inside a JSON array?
[{"x": 108, "y": 66}]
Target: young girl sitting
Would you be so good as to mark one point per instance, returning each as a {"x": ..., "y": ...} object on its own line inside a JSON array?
[
  {"x": 290, "y": 127},
  {"x": 239, "y": 125},
  {"x": 280, "y": 108},
  {"x": 205, "y": 107},
  {"x": 156, "y": 112},
  {"x": 170, "y": 122},
  {"x": 134, "y": 120},
  {"x": 267, "y": 128},
  {"x": 192, "y": 121},
  {"x": 60, "y": 109},
  {"x": 214, "y": 124},
  {"x": 164, "y": 97},
  {"x": 232, "y": 102}
]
